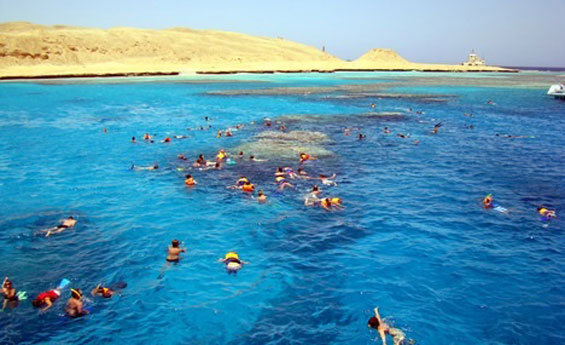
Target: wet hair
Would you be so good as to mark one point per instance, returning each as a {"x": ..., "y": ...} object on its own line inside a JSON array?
[
  {"x": 76, "y": 293},
  {"x": 8, "y": 282},
  {"x": 156, "y": 166},
  {"x": 373, "y": 322},
  {"x": 279, "y": 169},
  {"x": 217, "y": 165},
  {"x": 132, "y": 138},
  {"x": 71, "y": 217},
  {"x": 188, "y": 176},
  {"x": 260, "y": 192},
  {"x": 241, "y": 153},
  {"x": 175, "y": 243},
  {"x": 251, "y": 157},
  {"x": 315, "y": 188},
  {"x": 323, "y": 176}
]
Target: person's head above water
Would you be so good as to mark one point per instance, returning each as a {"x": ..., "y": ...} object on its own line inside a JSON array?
[
  {"x": 175, "y": 243},
  {"x": 315, "y": 188},
  {"x": 156, "y": 166},
  {"x": 279, "y": 169},
  {"x": 373, "y": 323},
  {"x": 76, "y": 293}
]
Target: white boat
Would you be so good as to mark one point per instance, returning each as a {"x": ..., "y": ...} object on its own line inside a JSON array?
[{"x": 557, "y": 91}]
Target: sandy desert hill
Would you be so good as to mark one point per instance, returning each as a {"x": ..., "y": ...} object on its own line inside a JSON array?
[{"x": 28, "y": 50}]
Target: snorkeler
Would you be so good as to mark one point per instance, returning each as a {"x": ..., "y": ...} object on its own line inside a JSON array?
[
  {"x": 331, "y": 203},
  {"x": 11, "y": 297},
  {"x": 108, "y": 292},
  {"x": 326, "y": 180},
  {"x": 74, "y": 304},
  {"x": 487, "y": 201},
  {"x": 282, "y": 183},
  {"x": 313, "y": 198},
  {"x": 261, "y": 197},
  {"x": 290, "y": 173},
  {"x": 305, "y": 157},
  {"x": 46, "y": 299},
  {"x": 152, "y": 167},
  {"x": 173, "y": 254},
  {"x": 221, "y": 155},
  {"x": 546, "y": 214},
  {"x": 248, "y": 187},
  {"x": 232, "y": 262},
  {"x": 65, "y": 224},
  {"x": 436, "y": 128},
  {"x": 189, "y": 180},
  {"x": 383, "y": 328}
]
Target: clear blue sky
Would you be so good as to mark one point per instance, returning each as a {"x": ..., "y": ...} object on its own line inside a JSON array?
[{"x": 505, "y": 32}]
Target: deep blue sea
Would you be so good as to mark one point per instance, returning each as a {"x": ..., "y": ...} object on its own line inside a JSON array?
[{"x": 413, "y": 237}]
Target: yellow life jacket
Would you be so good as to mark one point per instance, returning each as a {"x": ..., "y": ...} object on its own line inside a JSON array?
[{"x": 189, "y": 181}]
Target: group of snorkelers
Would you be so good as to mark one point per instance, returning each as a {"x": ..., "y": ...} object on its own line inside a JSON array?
[
  {"x": 45, "y": 300},
  {"x": 545, "y": 213}
]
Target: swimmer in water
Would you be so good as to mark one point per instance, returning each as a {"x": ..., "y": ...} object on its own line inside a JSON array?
[
  {"x": 153, "y": 167},
  {"x": 233, "y": 262},
  {"x": 386, "y": 130},
  {"x": 46, "y": 299},
  {"x": 240, "y": 156},
  {"x": 347, "y": 131},
  {"x": 189, "y": 180},
  {"x": 229, "y": 133},
  {"x": 436, "y": 128},
  {"x": 305, "y": 157},
  {"x": 487, "y": 201},
  {"x": 362, "y": 136},
  {"x": 173, "y": 254},
  {"x": 282, "y": 182},
  {"x": 10, "y": 296},
  {"x": 200, "y": 161},
  {"x": 219, "y": 134},
  {"x": 166, "y": 140},
  {"x": 383, "y": 328},
  {"x": 248, "y": 187},
  {"x": 326, "y": 180},
  {"x": 253, "y": 159},
  {"x": 182, "y": 157},
  {"x": 65, "y": 224},
  {"x": 108, "y": 292},
  {"x": 180, "y": 136},
  {"x": 261, "y": 197},
  {"x": 221, "y": 156},
  {"x": 546, "y": 214},
  {"x": 147, "y": 137},
  {"x": 290, "y": 173},
  {"x": 403, "y": 136},
  {"x": 313, "y": 198},
  {"x": 133, "y": 140},
  {"x": 302, "y": 173},
  {"x": 74, "y": 307},
  {"x": 331, "y": 203}
]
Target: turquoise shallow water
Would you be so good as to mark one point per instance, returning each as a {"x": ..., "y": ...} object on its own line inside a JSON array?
[{"x": 413, "y": 238}]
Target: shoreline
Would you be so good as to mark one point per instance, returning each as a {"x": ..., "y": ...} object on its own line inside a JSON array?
[{"x": 229, "y": 72}]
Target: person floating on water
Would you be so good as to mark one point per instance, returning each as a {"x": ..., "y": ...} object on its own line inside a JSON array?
[
  {"x": 65, "y": 224},
  {"x": 488, "y": 203},
  {"x": 108, "y": 292},
  {"x": 11, "y": 296},
  {"x": 383, "y": 328},
  {"x": 221, "y": 155},
  {"x": 305, "y": 157},
  {"x": 312, "y": 198},
  {"x": 546, "y": 214},
  {"x": 261, "y": 197},
  {"x": 248, "y": 187},
  {"x": 331, "y": 203},
  {"x": 436, "y": 128},
  {"x": 74, "y": 307},
  {"x": 281, "y": 181},
  {"x": 232, "y": 262},
  {"x": 326, "y": 180},
  {"x": 152, "y": 167},
  {"x": 46, "y": 299},
  {"x": 189, "y": 180},
  {"x": 290, "y": 173}
]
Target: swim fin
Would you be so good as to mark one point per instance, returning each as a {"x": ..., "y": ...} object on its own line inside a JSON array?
[{"x": 64, "y": 282}]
